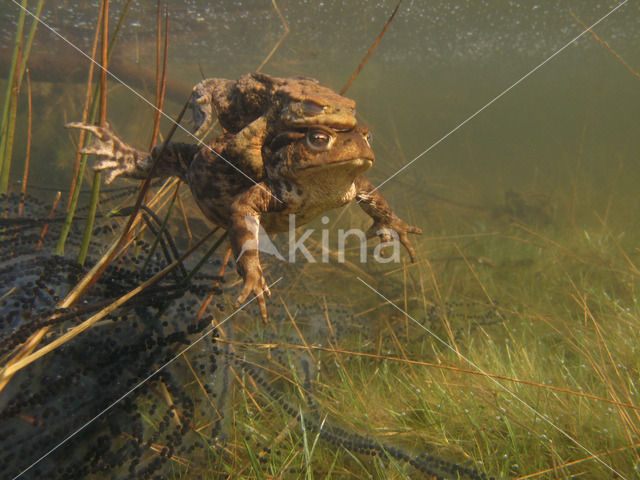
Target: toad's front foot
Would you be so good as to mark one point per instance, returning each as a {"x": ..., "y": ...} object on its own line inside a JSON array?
[
  {"x": 114, "y": 155},
  {"x": 254, "y": 283},
  {"x": 385, "y": 230},
  {"x": 201, "y": 104}
]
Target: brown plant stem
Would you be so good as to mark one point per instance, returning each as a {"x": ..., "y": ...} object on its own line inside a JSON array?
[
  {"x": 81, "y": 160},
  {"x": 105, "y": 62},
  {"x": 51, "y": 212},
  {"x": 280, "y": 40},
  {"x": 4, "y": 122},
  {"x": 606, "y": 45},
  {"x": 27, "y": 155},
  {"x": 18, "y": 67},
  {"x": 97, "y": 176},
  {"x": 161, "y": 75},
  {"x": 370, "y": 52}
]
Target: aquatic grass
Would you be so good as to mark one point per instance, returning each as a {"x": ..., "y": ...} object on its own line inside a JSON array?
[
  {"x": 97, "y": 175},
  {"x": 8, "y": 100},
  {"x": 370, "y": 51},
  {"x": 607, "y": 46},
  {"x": 564, "y": 338},
  {"x": 565, "y": 342},
  {"x": 27, "y": 355},
  {"x": 94, "y": 104},
  {"x": 162, "y": 56},
  {"x": 27, "y": 155},
  {"x": 45, "y": 227},
  {"x": 17, "y": 69},
  {"x": 88, "y": 115}
]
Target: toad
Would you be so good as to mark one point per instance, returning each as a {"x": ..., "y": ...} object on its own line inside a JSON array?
[
  {"x": 304, "y": 169},
  {"x": 257, "y": 106}
]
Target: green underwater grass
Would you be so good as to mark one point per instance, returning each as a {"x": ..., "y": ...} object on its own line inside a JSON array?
[{"x": 562, "y": 334}]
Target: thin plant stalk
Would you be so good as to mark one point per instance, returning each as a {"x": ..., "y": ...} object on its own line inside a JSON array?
[
  {"x": 89, "y": 103},
  {"x": 88, "y": 116},
  {"x": 606, "y": 45},
  {"x": 370, "y": 52},
  {"x": 27, "y": 155},
  {"x": 9, "y": 93},
  {"x": 97, "y": 176},
  {"x": 7, "y": 151},
  {"x": 91, "y": 216},
  {"x": 161, "y": 76},
  {"x": 27, "y": 48},
  {"x": 206, "y": 256},
  {"x": 280, "y": 40},
  {"x": 51, "y": 212},
  {"x": 105, "y": 64},
  {"x": 81, "y": 160},
  {"x": 15, "y": 80},
  {"x": 208, "y": 300}
]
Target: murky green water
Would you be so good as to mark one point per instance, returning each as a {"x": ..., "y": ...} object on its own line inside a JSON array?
[
  {"x": 436, "y": 66},
  {"x": 445, "y": 95}
]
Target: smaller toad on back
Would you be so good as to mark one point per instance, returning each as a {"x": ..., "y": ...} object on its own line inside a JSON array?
[
  {"x": 284, "y": 102},
  {"x": 285, "y": 152}
]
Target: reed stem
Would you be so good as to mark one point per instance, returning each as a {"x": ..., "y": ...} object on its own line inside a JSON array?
[
  {"x": 75, "y": 188},
  {"x": 370, "y": 52},
  {"x": 7, "y": 150},
  {"x": 97, "y": 176},
  {"x": 91, "y": 217},
  {"x": 89, "y": 112},
  {"x": 88, "y": 116},
  {"x": 10, "y": 109},
  {"x": 161, "y": 73},
  {"x": 27, "y": 155},
  {"x": 8, "y": 95},
  {"x": 27, "y": 49}
]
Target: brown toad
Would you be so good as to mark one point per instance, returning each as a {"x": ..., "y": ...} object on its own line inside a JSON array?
[
  {"x": 303, "y": 170},
  {"x": 257, "y": 106}
]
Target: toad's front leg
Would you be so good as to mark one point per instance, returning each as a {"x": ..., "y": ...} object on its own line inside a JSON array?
[
  {"x": 118, "y": 158},
  {"x": 375, "y": 205},
  {"x": 244, "y": 227}
]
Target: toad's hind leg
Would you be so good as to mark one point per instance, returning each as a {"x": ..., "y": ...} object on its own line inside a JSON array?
[{"x": 118, "y": 158}]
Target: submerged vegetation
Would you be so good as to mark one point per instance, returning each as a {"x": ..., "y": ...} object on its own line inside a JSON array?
[{"x": 508, "y": 350}]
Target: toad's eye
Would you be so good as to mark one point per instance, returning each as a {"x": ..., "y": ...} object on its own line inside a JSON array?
[
  {"x": 318, "y": 139},
  {"x": 369, "y": 138}
]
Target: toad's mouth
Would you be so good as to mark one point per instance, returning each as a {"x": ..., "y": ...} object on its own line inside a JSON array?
[{"x": 360, "y": 162}]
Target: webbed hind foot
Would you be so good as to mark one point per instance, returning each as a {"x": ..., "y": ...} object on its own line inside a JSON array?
[{"x": 114, "y": 156}]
